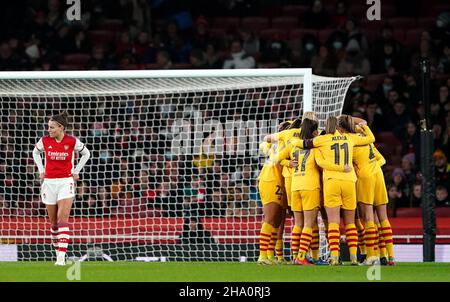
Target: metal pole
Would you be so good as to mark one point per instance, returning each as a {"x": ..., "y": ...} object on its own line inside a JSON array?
[{"x": 427, "y": 169}]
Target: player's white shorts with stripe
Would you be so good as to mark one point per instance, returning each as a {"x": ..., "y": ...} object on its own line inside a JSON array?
[{"x": 53, "y": 190}]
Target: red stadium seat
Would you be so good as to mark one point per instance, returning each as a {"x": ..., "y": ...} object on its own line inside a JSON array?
[
  {"x": 412, "y": 37},
  {"x": 77, "y": 58},
  {"x": 426, "y": 23},
  {"x": 295, "y": 10},
  {"x": 324, "y": 34},
  {"x": 435, "y": 10},
  {"x": 218, "y": 33},
  {"x": 269, "y": 65},
  {"x": 399, "y": 35},
  {"x": 374, "y": 80},
  {"x": 226, "y": 22},
  {"x": 181, "y": 66},
  {"x": 286, "y": 23},
  {"x": 111, "y": 25},
  {"x": 70, "y": 67},
  {"x": 255, "y": 24},
  {"x": 270, "y": 33},
  {"x": 300, "y": 32},
  {"x": 402, "y": 23},
  {"x": 358, "y": 10},
  {"x": 102, "y": 36},
  {"x": 409, "y": 212},
  {"x": 387, "y": 12},
  {"x": 442, "y": 211}
]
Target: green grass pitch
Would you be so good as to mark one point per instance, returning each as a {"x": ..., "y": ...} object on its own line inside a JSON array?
[{"x": 217, "y": 272}]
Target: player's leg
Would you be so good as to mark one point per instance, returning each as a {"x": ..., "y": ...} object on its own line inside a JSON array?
[
  {"x": 271, "y": 218},
  {"x": 349, "y": 207},
  {"x": 369, "y": 232},
  {"x": 333, "y": 203},
  {"x": 52, "y": 211},
  {"x": 49, "y": 198},
  {"x": 386, "y": 232},
  {"x": 306, "y": 238},
  {"x": 380, "y": 203},
  {"x": 298, "y": 223},
  {"x": 279, "y": 244},
  {"x": 381, "y": 243},
  {"x": 64, "y": 207},
  {"x": 361, "y": 233}
]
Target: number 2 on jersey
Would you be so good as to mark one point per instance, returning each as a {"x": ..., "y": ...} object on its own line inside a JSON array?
[{"x": 337, "y": 154}]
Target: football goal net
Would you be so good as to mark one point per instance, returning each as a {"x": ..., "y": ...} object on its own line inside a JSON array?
[{"x": 174, "y": 158}]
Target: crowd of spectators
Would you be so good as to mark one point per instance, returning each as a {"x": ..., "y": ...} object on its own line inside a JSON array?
[{"x": 131, "y": 171}]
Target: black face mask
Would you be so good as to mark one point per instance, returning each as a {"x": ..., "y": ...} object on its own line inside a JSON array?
[{"x": 352, "y": 53}]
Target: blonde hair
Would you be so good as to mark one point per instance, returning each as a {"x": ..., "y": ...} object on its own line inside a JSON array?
[
  {"x": 331, "y": 125},
  {"x": 309, "y": 115}
]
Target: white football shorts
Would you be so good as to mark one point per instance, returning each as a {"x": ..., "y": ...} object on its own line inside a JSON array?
[{"x": 54, "y": 190}]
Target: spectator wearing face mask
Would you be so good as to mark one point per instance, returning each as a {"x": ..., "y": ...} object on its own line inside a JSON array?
[
  {"x": 354, "y": 62},
  {"x": 238, "y": 57}
]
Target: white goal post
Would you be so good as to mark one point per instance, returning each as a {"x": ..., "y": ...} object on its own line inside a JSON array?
[{"x": 172, "y": 152}]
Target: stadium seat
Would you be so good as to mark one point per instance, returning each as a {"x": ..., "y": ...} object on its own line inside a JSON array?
[
  {"x": 111, "y": 25},
  {"x": 324, "y": 34},
  {"x": 409, "y": 212},
  {"x": 295, "y": 10},
  {"x": 300, "y": 32},
  {"x": 387, "y": 12},
  {"x": 101, "y": 37},
  {"x": 373, "y": 80},
  {"x": 358, "y": 10},
  {"x": 426, "y": 22},
  {"x": 218, "y": 33},
  {"x": 442, "y": 211},
  {"x": 371, "y": 25},
  {"x": 269, "y": 65},
  {"x": 387, "y": 137},
  {"x": 412, "y": 37},
  {"x": 226, "y": 22},
  {"x": 70, "y": 67},
  {"x": 399, "y": 35},
  {"x": 78, "y": 58},
  {"x": 269, "y": 33},
  {"x": 286, "y": 23},
  {"x": 402, "y": 23},
  {"x": 435, "y": 10},
  {"x": 371, "y": 34},
  {"x": 181, "y": 66},
  {"x": 255, "y": 24}
]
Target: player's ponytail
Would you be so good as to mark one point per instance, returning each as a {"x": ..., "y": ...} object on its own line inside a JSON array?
[
  {"x": 296, "y": 124},
  {"x": 331, "y": 124},
  {"x": 61, "y": 119},
  {"x": 308, "y": 128},
  {"x": 345, "y": 122}
]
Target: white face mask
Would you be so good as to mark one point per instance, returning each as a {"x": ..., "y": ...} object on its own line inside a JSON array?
[
  {"x": 439, "y": 24},
  {"x": 337, "y": 45},
  {"x": 32, "y": 51},
  {"x": 309, "y": 46}
]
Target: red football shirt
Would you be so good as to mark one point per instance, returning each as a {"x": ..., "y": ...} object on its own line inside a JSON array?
[{"x": 59, "y": 156}]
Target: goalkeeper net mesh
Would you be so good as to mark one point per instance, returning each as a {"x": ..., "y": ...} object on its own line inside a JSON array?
[{"x": 173, "y": 168}]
